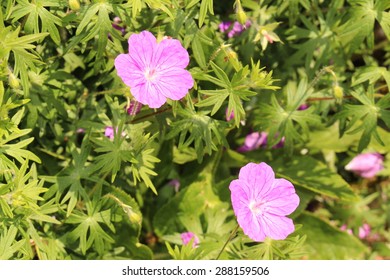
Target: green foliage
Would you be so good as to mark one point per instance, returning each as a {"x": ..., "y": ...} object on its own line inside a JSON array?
[
  {"x": 71, "y": 190},
  {"x": 315, "y": 176},
  {"x": 289, "y": 121},
  {"x": 203, "y": 132},
  {"x": 368, "y": 113},
  {"x": 326, "y": 242}
]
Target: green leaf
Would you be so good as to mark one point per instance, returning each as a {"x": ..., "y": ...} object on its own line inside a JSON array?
[
  {"x": 289, "y": 122},
  {"x": 236, "y": 90},
  {"x": 188, "y": 204},
  {"x": 72, "y": 177},
  {"x": 24, "y": 60},
  {"x": 199, "y": 130},
  {"x": 89, "y": 231},
  {"x": 325, "y": 242},
  {"x": 36, "y": 10},
  {"x": 8, "y": 244},
  {"x": 365, "y": 115},
  {"x": 334, "y": 142},
  {"x": 313, "y": 175},
  {"x": 198, "y": 51},
  {"x": 359, "y": 26},
  {"x": 372, "y": 74},
  {"x": 142, "y": 167},
  {"x": 17, "y": 150},
  {"x": 205, "y": 7}
]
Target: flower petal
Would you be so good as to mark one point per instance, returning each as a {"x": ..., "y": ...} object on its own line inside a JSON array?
[
  {"x": 128, "y": 70},
  {"x": 276, "y": 227},
  {"x": 142, "y": 47},
  {"x": 260, "y": 177},
  {"x": 170, "y": 53},
  {"x": 245, "y": 218},
  {"x": 282, "y": 199},
  {"x": 240, "y": 195},
  {"x": 147, "y": 94},
  {"x": 174, "y": 83},
  {"x": 252, "y": 227}
]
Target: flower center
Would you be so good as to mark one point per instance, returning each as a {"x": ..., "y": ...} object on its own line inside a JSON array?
[
  {"x": 257, "y": 207},
  {"x": 150, "y": 74}
]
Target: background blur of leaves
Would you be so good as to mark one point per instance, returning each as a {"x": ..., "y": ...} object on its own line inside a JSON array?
[{"x": 69, "y": 192}]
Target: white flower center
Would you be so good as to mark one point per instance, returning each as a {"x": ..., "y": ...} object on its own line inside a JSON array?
[
  {"x": 258, "y": 207},
  {"x": 150, "y": 74}
]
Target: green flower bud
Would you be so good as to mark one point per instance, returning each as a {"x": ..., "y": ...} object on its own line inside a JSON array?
[
  {"x": 74, "y": 5},
  {"x": 13, "y": 81},
  {"x": 338, "y": 93},
  {"x": 134, "y": 217}
]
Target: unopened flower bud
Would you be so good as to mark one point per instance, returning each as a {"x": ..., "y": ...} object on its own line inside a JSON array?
[
  {"x": 241, "y": 16},
  {"x": 74, "y": 5},
  {"x": 13, "y": 81},
  {"x": 338, "y": 93},
  {"x": 134, "y": 217}
]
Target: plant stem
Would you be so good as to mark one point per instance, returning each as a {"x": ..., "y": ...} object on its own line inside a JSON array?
[{"x": 227, "y": 241}]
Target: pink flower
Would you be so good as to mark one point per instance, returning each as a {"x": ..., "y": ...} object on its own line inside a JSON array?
[
  {"x": 109, "y": 132},
  {"x": 154, "y": 71},
  {"x": 253, "y": 141},
  {"x": 366, "y": 165},
  {"x": 233, "y": 29},
  {"x": 187, "y": 236},
  {"x": 261, "y": 202},
  {"x": 364, "y": 231},
  {"x": 348, "y": 230},
  {"x": 229, "y": 117},
  {"x": 224, "y": 26}
]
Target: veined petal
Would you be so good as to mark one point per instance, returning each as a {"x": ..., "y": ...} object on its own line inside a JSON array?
[
  {"x": 170, "y": 53},
  {"x": 240, "y": 195},
  {"x": 147, "y": 94},
  {"x": 260, "y": 202},
  {"x": 142, "y": 47},
  {"x": 154, "y": 71},
  {"x": 282, "y": 199},
  {"x": 175, "y": 83},
  {"x": 128, "y": 71},
  {"x": 260, "y": 177},
  {"x": 252, "y": 227},
  {"x": 276, "y": 227}
]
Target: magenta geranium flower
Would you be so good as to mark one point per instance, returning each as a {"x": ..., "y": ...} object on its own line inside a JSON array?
[
  {"x": 366, "y": 165},
  {"x": 153, "y": 70},
  {"x": 187, "y": 236},
  {"x": 253, "y": 141},
  {"x": 261, "y": 202}
]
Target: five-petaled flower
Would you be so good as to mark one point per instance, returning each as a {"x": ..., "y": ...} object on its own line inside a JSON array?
[
  {"x": 153, "y": 70},
  {"x": 261, "y": 202}
]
